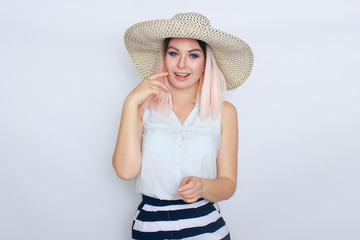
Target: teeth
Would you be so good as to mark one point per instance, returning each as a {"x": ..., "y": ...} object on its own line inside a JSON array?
[{"x": 182, "y": 74}]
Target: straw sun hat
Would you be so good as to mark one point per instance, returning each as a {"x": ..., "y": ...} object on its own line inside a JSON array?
[{"x": 144, "y": 40}]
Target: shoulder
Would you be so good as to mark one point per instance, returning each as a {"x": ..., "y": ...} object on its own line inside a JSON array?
[
  {"x": 228, "y": 110},
  {"x": 229, "y": 119}
]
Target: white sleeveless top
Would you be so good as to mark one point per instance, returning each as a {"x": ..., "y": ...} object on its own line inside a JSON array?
[{"x": 172, "y": 151}]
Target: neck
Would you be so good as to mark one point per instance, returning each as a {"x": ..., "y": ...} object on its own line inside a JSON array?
[{"x": 184, "y": 96}]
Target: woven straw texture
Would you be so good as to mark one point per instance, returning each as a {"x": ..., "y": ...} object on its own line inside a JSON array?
[{"x": 144, "y": 40}]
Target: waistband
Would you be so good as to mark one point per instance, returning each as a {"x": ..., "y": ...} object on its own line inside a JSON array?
[{"x": 159, "y": 202}]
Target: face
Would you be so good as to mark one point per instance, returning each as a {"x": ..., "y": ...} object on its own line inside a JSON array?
[{"x": 185, "y": 62}]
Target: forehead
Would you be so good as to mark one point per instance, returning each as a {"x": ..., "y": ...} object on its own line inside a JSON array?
[{"x": 184, "y": 43}]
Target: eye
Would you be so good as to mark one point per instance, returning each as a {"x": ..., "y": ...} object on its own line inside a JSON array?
[
  {"x": 193, "y": 55},
  {"x": 173, "y": 53}
]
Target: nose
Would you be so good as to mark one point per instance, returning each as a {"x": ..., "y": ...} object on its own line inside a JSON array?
[{"x": 182, "y": 62}]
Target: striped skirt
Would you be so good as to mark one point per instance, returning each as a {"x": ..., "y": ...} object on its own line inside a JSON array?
[{"x": 163, "y": 219}]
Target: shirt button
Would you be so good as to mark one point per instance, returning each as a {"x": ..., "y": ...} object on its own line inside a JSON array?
[
  {"x": 177, "y": 164},
  {"x": 179, "y": 145}
]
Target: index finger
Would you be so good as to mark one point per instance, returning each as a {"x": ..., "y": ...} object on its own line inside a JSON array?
[
  {"x": 186, "y": 187},
  {"x": 158, "y": 75}
]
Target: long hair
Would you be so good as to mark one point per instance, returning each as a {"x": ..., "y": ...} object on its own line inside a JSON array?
[{"x": 211, "y": 89}]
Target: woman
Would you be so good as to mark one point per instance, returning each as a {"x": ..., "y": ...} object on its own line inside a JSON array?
[{"x": 177, "y": 136}]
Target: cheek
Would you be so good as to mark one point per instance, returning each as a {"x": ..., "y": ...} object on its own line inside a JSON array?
[
  {"x": 169, "y": 63},
  {"x": 166, "y": 62},
  {"x": 200, "y": 68}
]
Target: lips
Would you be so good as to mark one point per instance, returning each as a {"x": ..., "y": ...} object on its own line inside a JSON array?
[{"x": 181, "y": 76}]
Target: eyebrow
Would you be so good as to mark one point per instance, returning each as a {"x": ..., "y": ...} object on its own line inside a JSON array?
[{"x": 192, "y": 50}]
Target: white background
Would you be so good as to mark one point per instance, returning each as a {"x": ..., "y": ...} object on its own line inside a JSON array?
[{"x": 65, "y": 73}]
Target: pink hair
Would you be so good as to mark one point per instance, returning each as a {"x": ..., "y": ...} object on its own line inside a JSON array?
[{"x": 210, "y": 94}]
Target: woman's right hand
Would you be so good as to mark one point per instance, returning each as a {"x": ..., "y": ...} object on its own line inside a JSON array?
[{"x": 148, "y": 86}]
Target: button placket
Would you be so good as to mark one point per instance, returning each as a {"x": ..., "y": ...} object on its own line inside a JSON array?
[{"x": 179, "y": 154}]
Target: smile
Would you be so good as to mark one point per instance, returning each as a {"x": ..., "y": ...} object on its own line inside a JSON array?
[{"x": 182, "y": 74}]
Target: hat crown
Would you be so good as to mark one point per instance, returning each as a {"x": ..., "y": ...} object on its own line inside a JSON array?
[{"x": 195, "y": 18}]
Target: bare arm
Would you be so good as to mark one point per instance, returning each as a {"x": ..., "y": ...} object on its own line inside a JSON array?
[
  {"x": 224, "y": 186},
  {"x": 127, "y": 155}
]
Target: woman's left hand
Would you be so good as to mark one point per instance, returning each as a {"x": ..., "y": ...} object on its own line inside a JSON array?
[{"x": 191, "y": 189}]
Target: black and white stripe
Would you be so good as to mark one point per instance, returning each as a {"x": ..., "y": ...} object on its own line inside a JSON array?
[{"x": 163, "y": 219}]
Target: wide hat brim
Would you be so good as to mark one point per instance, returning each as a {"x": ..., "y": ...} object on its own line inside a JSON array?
[{"x": 144, "y": 40}]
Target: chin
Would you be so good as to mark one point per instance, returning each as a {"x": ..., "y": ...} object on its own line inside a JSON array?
[{"x": 188, "y": 83}]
